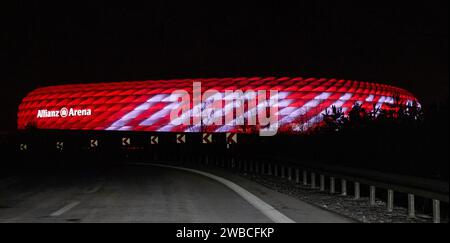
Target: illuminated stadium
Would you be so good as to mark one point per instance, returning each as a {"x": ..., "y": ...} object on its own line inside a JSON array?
[{"x": 147, "y": 105}]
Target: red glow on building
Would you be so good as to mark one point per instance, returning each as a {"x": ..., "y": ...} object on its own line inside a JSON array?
[{"x": 146, "y": 105}]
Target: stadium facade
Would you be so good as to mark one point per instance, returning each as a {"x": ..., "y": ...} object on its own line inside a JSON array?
[{"x": 147, "y": 105}]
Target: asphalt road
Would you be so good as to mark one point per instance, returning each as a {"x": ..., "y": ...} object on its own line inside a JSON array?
[{"x": 140, "y": 194}]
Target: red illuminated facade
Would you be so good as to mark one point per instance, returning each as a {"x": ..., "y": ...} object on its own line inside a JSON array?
[{"x": 146, "y": 105}]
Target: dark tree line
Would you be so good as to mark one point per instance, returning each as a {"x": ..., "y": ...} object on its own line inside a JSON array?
[
  {"x": 410, "y": 115},
  {"x": 407, "y": 139}
]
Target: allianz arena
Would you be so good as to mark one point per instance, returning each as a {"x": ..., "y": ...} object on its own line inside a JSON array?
[{"x": 146, "y": 105}]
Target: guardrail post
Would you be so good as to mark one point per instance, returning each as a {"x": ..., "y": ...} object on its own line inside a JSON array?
[
  {"x": 290, "y": 174},
  {"x": 411, "y": 206},
  {"x": 372, "y": 197},
  {"x": 322, "y": 183},
  {"x": 332, "y": 185},
  {"x": 390, "y": 201},
  {"x": 343, "y": 187},
  {"x": 313, "y": 180},
  {"x": 357, "y": 191},
  {"x": 305, "y": 178},
  {"x": 297, "y": 175},
  {"x": 282, "y": 171},
  {"x": 275, "y": 170},
  {"x": 436, "y": 211}
]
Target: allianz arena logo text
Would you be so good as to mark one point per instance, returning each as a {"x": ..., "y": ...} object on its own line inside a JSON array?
[
  {"x": 63, "y": 112},
  {"x": 227, "y": 108}
]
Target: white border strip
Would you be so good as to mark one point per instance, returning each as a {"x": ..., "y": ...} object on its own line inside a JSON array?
[
  {"x": 64, "y": 209},
  {"x": 273, "y": 214}
]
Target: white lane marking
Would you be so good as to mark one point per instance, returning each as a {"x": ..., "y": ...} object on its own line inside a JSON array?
[
  {"x": 93, "y": 190},
  {"x": 269, "y": 211},
  {"x": 64, "y": 209}
]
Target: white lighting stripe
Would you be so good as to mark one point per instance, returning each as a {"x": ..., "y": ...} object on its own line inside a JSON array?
[
  {"x": 167, "y": 128},
  {"x": 158, "y": 115},
  {"x": 196, "y": 110},
  {"x": 346, "y": 97},
  {"x": 126, "y": 128},
  {"x": 319, "y": 118},
  {"x": 172, "y": 98},
  {"x": 389, "y": 100},
  {"x": 134, "y": 113},
  {"x": 370, "y": 98},
  {"x": 185, "y": 117},
  {"x": 287, "y": 111},
  {"x": 305, "y": 108},
  {"x": 282, "y": 104},
  {"x": 228, "y": 108},
  {"x": 281, "y": 95},
  {"x": 251, "y": 113},
  {"x": 301, "y": 111},
  {"x": 380, "y": 103}
]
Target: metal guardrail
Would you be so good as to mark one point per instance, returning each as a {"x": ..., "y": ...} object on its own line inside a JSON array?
[
  {"x": 427, "y": 188},
  {"x": 309, "y": 174}
]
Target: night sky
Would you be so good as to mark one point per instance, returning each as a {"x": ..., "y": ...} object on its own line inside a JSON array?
[{"x": 403, "y": 43}]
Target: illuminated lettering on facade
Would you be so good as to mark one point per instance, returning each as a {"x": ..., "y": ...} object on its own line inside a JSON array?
[{"x": 64, "y": 112}]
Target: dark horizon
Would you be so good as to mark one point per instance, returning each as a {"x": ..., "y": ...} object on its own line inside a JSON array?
[{"x": 405, "y": 45}]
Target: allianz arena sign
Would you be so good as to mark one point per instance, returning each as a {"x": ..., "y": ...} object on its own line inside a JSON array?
[{"x": 64, "y": 112}]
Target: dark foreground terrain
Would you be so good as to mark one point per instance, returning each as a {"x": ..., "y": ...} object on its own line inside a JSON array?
[{"x": 140, "y": 193}]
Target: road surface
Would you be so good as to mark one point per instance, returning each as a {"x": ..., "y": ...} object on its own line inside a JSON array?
[{"x": 141, "y": 194}]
